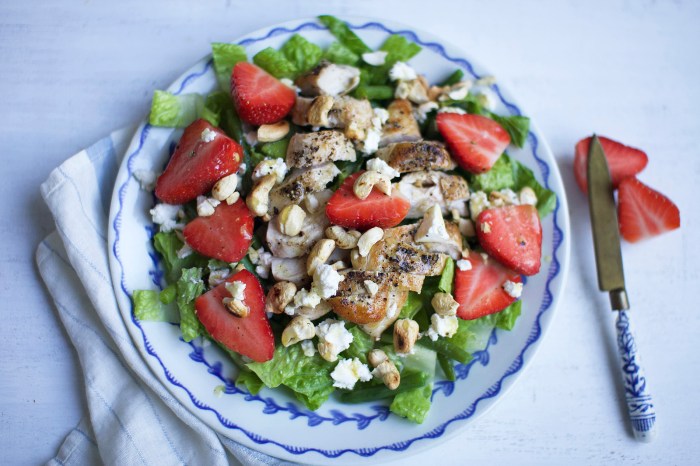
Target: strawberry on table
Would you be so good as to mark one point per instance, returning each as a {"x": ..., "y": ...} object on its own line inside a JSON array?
[
  {"x": 513, "y": 236},
  {"x": 249, "y": 336},
  {"x": 377, "y": 210},
  {"x": 480, "y": 290},
  {"x": 225, "y": 235},
  {"x": 643, "y": 212},
  {"x": 203, "y": 155},
  {"x": 623, "y": 161},
  {"x": 260, "y": 98},
  {"x": 475, "y": 142}
]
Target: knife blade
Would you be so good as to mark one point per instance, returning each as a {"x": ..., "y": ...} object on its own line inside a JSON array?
[{"x": 611, "y": 278}]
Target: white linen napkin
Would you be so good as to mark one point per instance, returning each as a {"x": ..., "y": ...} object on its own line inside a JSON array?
[{"x": 132, "y": 419}]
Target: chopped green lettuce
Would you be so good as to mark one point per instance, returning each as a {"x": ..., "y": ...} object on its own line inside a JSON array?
[
  {"x": 447, "y": 276},
  {"x": 178, "y": 111},
  {"x": 345, "y": 36},
  {"x": 506, "y": 318},
  {"x": 274, "y": 62},
  {"x": 361, "y": 344},
  {"x": 546, "y": 199},
  {"x": 308, "y": 377},
  {"x": 499, "y": 177},
  {"x": 168, "y": 294},
  {"x": 189, "y": 287},
  {"x": 148, "y": 307},
  {"x": 413, "y": 404},
  {"x": 168, "y": 244},
  {"x": 303, "y": 54},
  {"x": 517, "y": 127},
  {"x": 250, "y": 381},
  {"x": 413, "y": 304},
  {"x": 398, "y": 48},
  {"x": 225, "y": 58},
  {"x": 340, "y": 54}
]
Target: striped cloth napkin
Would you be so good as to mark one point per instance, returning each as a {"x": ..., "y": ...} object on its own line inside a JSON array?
[{"x": 132, "y": 418}]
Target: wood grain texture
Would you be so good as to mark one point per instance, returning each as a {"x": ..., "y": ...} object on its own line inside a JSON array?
[{"x": 72, "y": 71}]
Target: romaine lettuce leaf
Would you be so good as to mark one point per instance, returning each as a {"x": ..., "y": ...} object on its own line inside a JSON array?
[
  {"x": 413, "y": 404},
  {"x": 361, "y": 344},
  {"x": 398, "y": 48},
  {"x": 178, "y": 111},
  {"x": 250, "y": 381},
  {"x": 340, "y": 54},
  {"x": 225, "y": 58},
  {"x": 517, "y": 127},
  {"x": 506, "y": 318},
  {"x": 546, "y": 199},
  {"x": 447, "y": 277},
  {"x": 413, "y": 304},
  {"x": 148, "y": 307},
  {"x": 168, "y": 294},
  {"x": 189, "y": 287},
  {"x": 274, "y": 62},
  {"x": 499, "y": 177},
  {"x": 309, "y": 377},
  {"x": 303, "y": 54},
  {"x": 168, "y": 244},
  {"x": 345, "y": 36}
]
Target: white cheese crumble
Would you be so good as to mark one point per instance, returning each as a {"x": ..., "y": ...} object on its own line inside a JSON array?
[
  {"x": 263, "y": 263},
  {"x": 459, "y": 91},
  {"x": 456, "y": 110},
  {"x": 421, "y": 112},
  {"x": 303, "y": 298},
  {"x": 374, "y": 133},
  {"x": 237, "y": 289},
  {"x": 241, "y": 170},
  {"x": 442, "y": 326},
  {"x": 348, "y": 371},
  {"x": 208, "y": 135},
  {"x": 372, "y": 288},
  {"x": 268, "y": 166},
  {"x": 335, "y": 337},
  {"x": 402, "y": 72},
  {"x": 377, "y": 58},
  {"x": 513, "y": 289},
  {"x": 485, "y": 227},
  {"x": 487, "y": 98},
  {"x": 379, "y": 165},
  {"x": 463, "y": 264},
  {"x": 432, "y": 228},
  {"x": 326, "y": 281},
  {"x": 307, "y": 346},
  {"x": 206, "y": 206},
  {"x": 165, "y": 215},
  {"x": 290, "y": 84},
  {"x": 146, "y": 179},
  {"x": 478, "y": 202}
]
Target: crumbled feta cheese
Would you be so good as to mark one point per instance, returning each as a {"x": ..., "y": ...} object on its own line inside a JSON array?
[
  {"x": 442, "y": 326},
  {"x": 372, "y": 288},
  {"x": 307, "y": 346},
  {"x": 402, "y": 72},
  {"x": 241, "y": 170},
  {"x": 326, "y": 281},
  {"x": 456, "y": 110},
  {"x": 459, "y": 91},
  {"x": 184, "y": 251},
  {"x": 306, "y": 298},
  {"x": 432, "y": 228},
  {"x": 463, "y": 264},
  {"x": 348, "y": 371},
  {"x": 268, "y": 166},
  {"x": 290, "y": 84},
  {"x": 218, "y": 276},
  {"x": 527, "y": 196},
  {"x": 379, "y": 165},
  {"x": 206, "y": 206},
  {"x": 487, "y": 98},
  {"x": 513, "y": 289},
  {"x": 421, "y": 112},
  {"x": 381, "y": 116},
  {"x": 263, "y": 262},
  {"x": 208, "y": 135},
  {"x": 402, "y": 90},
  {"x": 166, "y": 215},
  {"x": 485, "y": 227},
  {"x": 146, "y": 179},
  {"x": 237, "y": 289},
  {"x": 503, "y": 197},
  {"x": 392, "y": 310},
  {"x": 485, "y": 257},
  {"x": 478, "y": 202},
  {"x": 333, "y": 338},
  {"x": 377, "y": 58},
  {"x": 371, "y": 142}
]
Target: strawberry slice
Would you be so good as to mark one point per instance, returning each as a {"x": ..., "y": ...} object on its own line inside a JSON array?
[
  {"x": 479, "y": 291},
  {"x": 623, "y": 161},
  {"x": 377, "y": 210},
  {"x": 250, "y": 336},
  {"x": 644, "y": 212},
  {"x": 475, "y": 142},
  {"x": 513, "y": 236},
  {"x": 225, "y": 235},
  {"x": 203, "y": 156},
  {"x": 259, "y": 97}
]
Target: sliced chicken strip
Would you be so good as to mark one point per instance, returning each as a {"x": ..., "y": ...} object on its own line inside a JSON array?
[
  {"x": 401, "y": 125},
  {"x": 310, "y": 149},
  {"x": 296, "y": 246},
  {"x": 328, "y": 79},
  {"x": 352, "y": 115},
  {"x": 396, "y": 300},
  {"x": 409, "y": 157},
  {"x": 427, "y": 188},
  {"x": 290, "y": 270},
  {"x": 300, "y": 183}
]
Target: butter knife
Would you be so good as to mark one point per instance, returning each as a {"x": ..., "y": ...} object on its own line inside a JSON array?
[{"x": 611, "y": 278}]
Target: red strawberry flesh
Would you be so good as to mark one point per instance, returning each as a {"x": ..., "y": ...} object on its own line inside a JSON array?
[
  {"x": 644, "y": 212},
  {"x": 623, "y": 161},
  {"x": 475, "y": 141},
  {"x": 260, "y": 98}
]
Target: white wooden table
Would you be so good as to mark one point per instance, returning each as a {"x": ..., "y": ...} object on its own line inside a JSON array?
[{"x": 72, "y": 71}]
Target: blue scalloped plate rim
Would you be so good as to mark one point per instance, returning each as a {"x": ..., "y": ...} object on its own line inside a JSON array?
[{"x": 558, "y": 269}]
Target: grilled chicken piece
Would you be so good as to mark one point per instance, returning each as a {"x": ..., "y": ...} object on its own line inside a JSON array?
[
  {"x": 328, "y": 79},
  {"x": 347, "y": 113},
  {"x": 300, "y": 110},
  {"x": 355, "y": 303},
  {"x": 395, "y": 301},
  {"x": 300, "y": 183},
  {"x": 409, "y": 157},
  {"x": 406, "y": 234},
  {"x": 310, "y": 149},
  {"x": 296, "y": 246},
  {"x": 290, "y": 270},
  {"x": 427, "y": 188},
  {"x": 401, "y": 125}
]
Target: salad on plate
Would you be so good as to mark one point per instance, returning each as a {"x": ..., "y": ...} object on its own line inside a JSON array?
[{"x": 339, "y": 225}]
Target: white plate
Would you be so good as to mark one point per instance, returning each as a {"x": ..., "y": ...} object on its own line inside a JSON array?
[{"x": 274, "y": 422}]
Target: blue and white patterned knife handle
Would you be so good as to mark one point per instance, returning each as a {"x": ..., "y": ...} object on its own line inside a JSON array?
[{"x": 639, "y": 402}]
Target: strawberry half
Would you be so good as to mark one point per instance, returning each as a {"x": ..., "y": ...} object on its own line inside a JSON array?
[
  {"x": 377, "y": 210},
  {"x": 643, "y": 212},
  {"x": 479, "y": 291},
  {"x": 202, "y": 157},
  {"x": 475, "y": 142},
  {"x": 623, "y": 161},
  {"x": 513, "y": 236},
  {"x": 250, "y": 336},
  {"x": 259, "y": 97},
  {"x": 225, "y": 235}
]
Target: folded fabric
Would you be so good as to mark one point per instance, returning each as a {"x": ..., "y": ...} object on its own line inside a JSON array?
[{"x": 132, "y": 418}]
